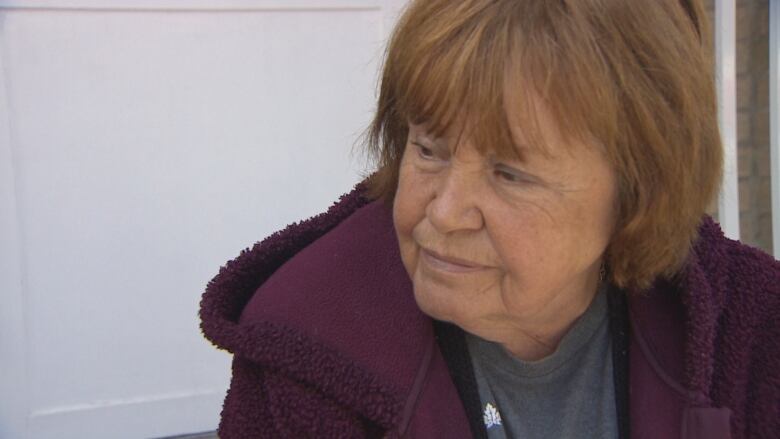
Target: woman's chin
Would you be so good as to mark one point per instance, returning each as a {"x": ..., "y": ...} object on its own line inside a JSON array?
[{"x": 438, "y": 304}]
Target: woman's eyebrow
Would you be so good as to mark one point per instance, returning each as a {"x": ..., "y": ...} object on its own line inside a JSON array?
[
  {"x": 519, "y": 154},
  {"x": 432, "y": 140}
]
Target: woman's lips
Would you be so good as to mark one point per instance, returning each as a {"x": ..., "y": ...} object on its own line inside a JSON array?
[{"x": 445, "y": 263}]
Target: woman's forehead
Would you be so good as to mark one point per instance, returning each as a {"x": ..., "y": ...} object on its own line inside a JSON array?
[{"x": 525, "y": 128}]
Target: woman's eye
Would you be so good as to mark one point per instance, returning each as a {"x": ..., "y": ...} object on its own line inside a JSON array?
[
  {"x": 425, "y": 152},
  {"x": 509, "y": 177}
]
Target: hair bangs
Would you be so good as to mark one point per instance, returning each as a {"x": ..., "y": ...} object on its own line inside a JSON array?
[{"x": 461, "y": 79}]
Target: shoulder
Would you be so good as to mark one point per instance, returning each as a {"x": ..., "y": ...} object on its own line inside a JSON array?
[
  {"x": 348, "y": 289},
  {"x": 326, "y": 303},
  {"x": 741, "y": 279},
  {"x": 742, "y": 302},
  {"x": 712, "y": 241},
  {"x": 227, "y": 294},
  {"x": 339, "y": 271},
  {"x": 724, "y": 305}
]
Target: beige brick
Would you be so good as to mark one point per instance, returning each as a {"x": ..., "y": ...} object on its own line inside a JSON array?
[
  {"x": 745, "y": 195},
  {"x": 747, "y": 227},
  {"x": 762, "y": 201},
  {"x": 759, "y": 58},
  {"x": 745, "y": 92},
  {"x": 761, "y": 160},
  {"x": 760, "y": 122},
  {"x": 744, "y": 20},
  {"x": 745, "y": 161},
  {"x": 743, "y": 58},
  {"x": 762, "y": 91},
  {"x": 764, "y": 232},
  {"x": 744, "y": 129},
  {"x": 761, "y": 18}
]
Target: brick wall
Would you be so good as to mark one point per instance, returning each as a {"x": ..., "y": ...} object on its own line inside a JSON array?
[{"x": 755, "y": 210}]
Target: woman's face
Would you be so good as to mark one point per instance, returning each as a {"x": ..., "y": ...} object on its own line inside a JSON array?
[{"x": 495, "y": 246}]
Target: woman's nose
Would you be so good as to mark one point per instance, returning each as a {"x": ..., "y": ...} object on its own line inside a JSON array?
[{"x": 455, "y": 203}]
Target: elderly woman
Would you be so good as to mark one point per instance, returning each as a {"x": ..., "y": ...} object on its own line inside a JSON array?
[{"x": 531, "y": 258}]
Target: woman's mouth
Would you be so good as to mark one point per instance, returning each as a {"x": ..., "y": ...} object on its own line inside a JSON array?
[{"x": 448, "y": 263}]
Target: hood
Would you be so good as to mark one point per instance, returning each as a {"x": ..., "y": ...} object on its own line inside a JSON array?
[
  {"x": 723, "y": 282},
  {"x": 328, "y": 301},
  {"x": 725, "y": 302}
]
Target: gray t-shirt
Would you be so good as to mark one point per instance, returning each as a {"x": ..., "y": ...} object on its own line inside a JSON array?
[{"x": 569, "y": 394}]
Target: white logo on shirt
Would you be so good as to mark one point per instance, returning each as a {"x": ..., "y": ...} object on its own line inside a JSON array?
[{"x": 491, "y": 416}]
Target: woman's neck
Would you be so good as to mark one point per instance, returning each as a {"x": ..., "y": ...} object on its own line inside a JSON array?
[{"x": 535, "y": 340}]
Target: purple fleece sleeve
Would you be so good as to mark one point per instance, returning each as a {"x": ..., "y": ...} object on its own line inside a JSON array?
[
  {"x": 263, "y": 404},
  {"x": 763, "y": 410}
]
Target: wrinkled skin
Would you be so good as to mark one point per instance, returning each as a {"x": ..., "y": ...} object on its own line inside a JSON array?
[{"x": 507, "y": 250}]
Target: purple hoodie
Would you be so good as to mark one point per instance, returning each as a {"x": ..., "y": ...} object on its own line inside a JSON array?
[{"x": 329, "y": 342}]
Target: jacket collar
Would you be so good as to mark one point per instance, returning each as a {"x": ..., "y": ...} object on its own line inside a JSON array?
[
  {"x": 349, "y": 328},
  {"x": 690, "y": 304},
  {"x": 671, "y": 374}
]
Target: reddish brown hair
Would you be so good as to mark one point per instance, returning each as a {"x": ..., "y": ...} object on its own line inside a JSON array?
[{"x": 636, "y": 76}]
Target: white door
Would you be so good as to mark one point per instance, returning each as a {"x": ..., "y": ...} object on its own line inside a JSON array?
[{"x": 143, "y": 143}]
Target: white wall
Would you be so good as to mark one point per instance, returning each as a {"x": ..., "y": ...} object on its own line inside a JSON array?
[{"x": 142, "y": 145}]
